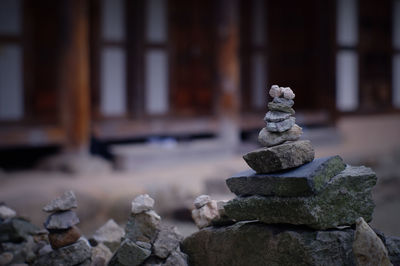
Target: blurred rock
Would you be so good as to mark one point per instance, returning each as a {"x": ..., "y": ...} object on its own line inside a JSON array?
[
  {"x": 101, "y": 254},
  {"x": 64, "y": 203},
  {"x": 6, "y": 258},
  {"x": 275, "y": 91},
  {"x": 177, "y": 258},
  {"x": 204, "y": 215},
  {"x": 281, "y": 126},
  {"x": 280, "y": 100},
  {"x": 268, "y": 139},
  {"x": 110, "y": 234},
  {"x": 201, "y": 200},
  {"x": 142, "y": 203},
  {"x": 61, "y": 220},
  {"x": 276, "y": 116},
  {"x": 288, "y": 93},
  {"x": 6, "y": 212},
  {"x": 16, "y": 230},
  {"x": 62, "y": 238},
  {"x": 129, "y": 254},
  {"x": 143, "y": 226},
  {"x": 167, "y": 240},
  {"x": 368, "y": 248},
  {"x": 393, "y": 247},
  {"x": 281, "y": 107}
]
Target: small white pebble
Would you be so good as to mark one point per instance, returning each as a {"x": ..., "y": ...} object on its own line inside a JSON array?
[
  {"x": 275, "y": 91},
  {"x": 288, "y": 93}
]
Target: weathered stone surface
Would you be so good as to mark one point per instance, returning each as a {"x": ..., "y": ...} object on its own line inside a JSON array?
[
  {"x": 6, "y": 258},
  {"x": 206, "y": 214},
  {"x": 269, "y": 139},
  {"x": 62, "y": 238},
  {"x": 281, "y": 157},
  {"x": 254, "y": 243},
  {"x": 6, "y": 212},
  {"x": 176, "y": 258},
  {"x": 110, "y": 234},
  {"x": 101, "y": 254},
  {"x": 274, "y": 106},
  {"x": 142, "y": 203},
  {"x": 276, "y": 116},
  {"x": 275, "y": 91},
  {"x": 288, "y": 93},
  {"x": 346, "y": 197},
  {"x": 167, "y": 240},
  {"x": 143, "y": 226},
  {"x": 70, "y": 255},
  {"x": 16, "y": 230},
  {"x": 280, "y": 100},
  {"x": 201, "y": 200},
  {"x": 305, "y": 180},
  {"x": 129, "y": 254},
  {"x": 64, "y": 203},
  {"x": 281, "y": 126},
  {"x": 61, "y": 220},
  {"x": 393, "y": 247},
  {"x": 368, "y": 248}
]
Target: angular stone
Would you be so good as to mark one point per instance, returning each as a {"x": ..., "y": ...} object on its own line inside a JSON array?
[
  {"x": 64, "y": 203},
  {"x": 201, "y": 200},
  {"x": 305, "y": 180},
  {"x": 129, "y": 254},
  {"x": 176, "y": 258},
  {"x": 273, "y": 106},
  {"x": 280, "y": 157},
  {"x": 368, "y": 248},
  {"x": 346, "y": 197},
  {"x": 254, "y": 243},
  {"x": 16, "y": 230},
  {"x": 101, "y": 254},
  {"x": 62, "y": 238},
  {"x": 143, "y": 226},
  {"x": 288, "y": 93},
  {"x": 276, "y": 116},
  {"x": 167, "y": 240},
  {"x": 206, "y": 214},
  {"x": 269, "y": 139},
  {"x": 142, "y": 203},
  {"x": 110, "y": 234},
  {"x": 281, "y": 126},
  {"x": 6, "y": 258},
  {"x": 61, "y": 220},
  {"x": 287, "y": 102},
  {"x": 74, "y": 254},
  {"x": 393, "y": 247},
  {"x": 6, "y": 212}
]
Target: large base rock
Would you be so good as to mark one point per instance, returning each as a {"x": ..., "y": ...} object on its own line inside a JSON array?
[
  {"x": 281, "y": 157},
  {"x": 346, "y": 197},
  {"x": 305, "y": 180}
]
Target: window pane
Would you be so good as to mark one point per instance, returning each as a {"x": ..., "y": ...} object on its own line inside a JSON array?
[
  {"x": 156, "y": 20},
  {"x": 396, "y": 81},
  {"x": 11, "y": 91},
  {"x": 258, "y": 22},
  {"x": 156, "y": 82},
  {"x": 347, "y": 22},
  {"x": 113, "y": 20},
  {"x": 113, "y": 81},
  {"x": 396, "y": 24},
  {"x": 10, "y": 16},
  {"x": 258, "y": 81},
  {"x": 346, "y": 80}
]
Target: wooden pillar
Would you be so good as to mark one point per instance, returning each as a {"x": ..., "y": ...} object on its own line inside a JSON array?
[
  {"x": 74, "y": 74},
  {"x": 228, "y": 70}
]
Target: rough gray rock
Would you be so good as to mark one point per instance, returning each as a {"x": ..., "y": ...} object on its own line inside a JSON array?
[
  {"x": 393, "y": 247},
  {"x": 129, "y": 254},
  {"x": 368, "y": 248},
  {"x": 74, "y": 254},
  {"x": 6, "y": 212},
  {"x": 201, "y": 200},
  {"x": 64, "y": 203},
  {"x": 269, "y": 139},
  {"x": 254, "y": 243},
  {"x": 281, "y": 126},
  {"x": 143, "y": 226},
  {"x": 16, "y": 230},
  {"x": 346, "y": 197},
  {"x": 167, "y": 240},
  {"x": 176, "y": 258},
  {"x": 305, "y": 180},
  {"x": 62, "y": 238},
  {"x": 142, "y": 203},
  {"x": 281, "y": 107},
  {"x": 276, "y": 116},
  {"x": 6, "y": 258},
  {"x": 206, "y": 214},
  {"x": 110, "y": 234},
  {"x": 101, "y": 254},
  {"x": 281, "y": 157},
  {"x": 61, "y": 220},
  {"x": 284, "y": 101}
]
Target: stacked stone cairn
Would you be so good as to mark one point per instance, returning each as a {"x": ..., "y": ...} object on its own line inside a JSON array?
[
  {"x": 292, "y": 209},
  {"x": 147, "y": 241}
]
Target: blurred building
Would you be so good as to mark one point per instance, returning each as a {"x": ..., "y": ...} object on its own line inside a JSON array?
[{"x": 125, "y": 69}]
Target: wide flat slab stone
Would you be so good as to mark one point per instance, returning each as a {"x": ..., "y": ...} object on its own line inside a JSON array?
[
  {"x": 285, "y": 156},
  {"x": 305, "y": 180},
  {"x": 346, "y": 197}
]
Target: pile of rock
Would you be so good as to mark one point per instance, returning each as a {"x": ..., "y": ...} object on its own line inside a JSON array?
[
  {"x": 291, "y": 209},
  {"x": 147, "y": 241}
]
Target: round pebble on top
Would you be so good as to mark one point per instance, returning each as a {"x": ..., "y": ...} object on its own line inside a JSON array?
[
  {"x": 275, "y": 91},
  {"x": 288, "y": 93},
  {"x": 142, "y": 203}
]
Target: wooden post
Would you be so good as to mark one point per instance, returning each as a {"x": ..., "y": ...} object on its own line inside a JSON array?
[
  {"x": 74, "y": 75},
  {"x": 228, "y": 70}
]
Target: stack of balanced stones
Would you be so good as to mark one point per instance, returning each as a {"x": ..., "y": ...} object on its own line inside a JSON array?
[{"x": 62, "y": 221}]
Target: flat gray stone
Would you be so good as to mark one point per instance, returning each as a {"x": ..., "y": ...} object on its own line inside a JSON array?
[
  {"x": 273, "y": 106},
  {"x": 284, "y": 101},
  {"x": 305, "y": 180},
  {"x": 285, "y": 156},
  {"x": 129, "y": 254},
  {"x": 269, "y": 139},
  {"x": 281, "y": 126},
  {"x": 276, "y": 116},
  {"x": 167, "y": 240},
  {"x": 346, "y": 197},
  {"x": 61, "y": 220},
  {"x": 64, "y": 203}
]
